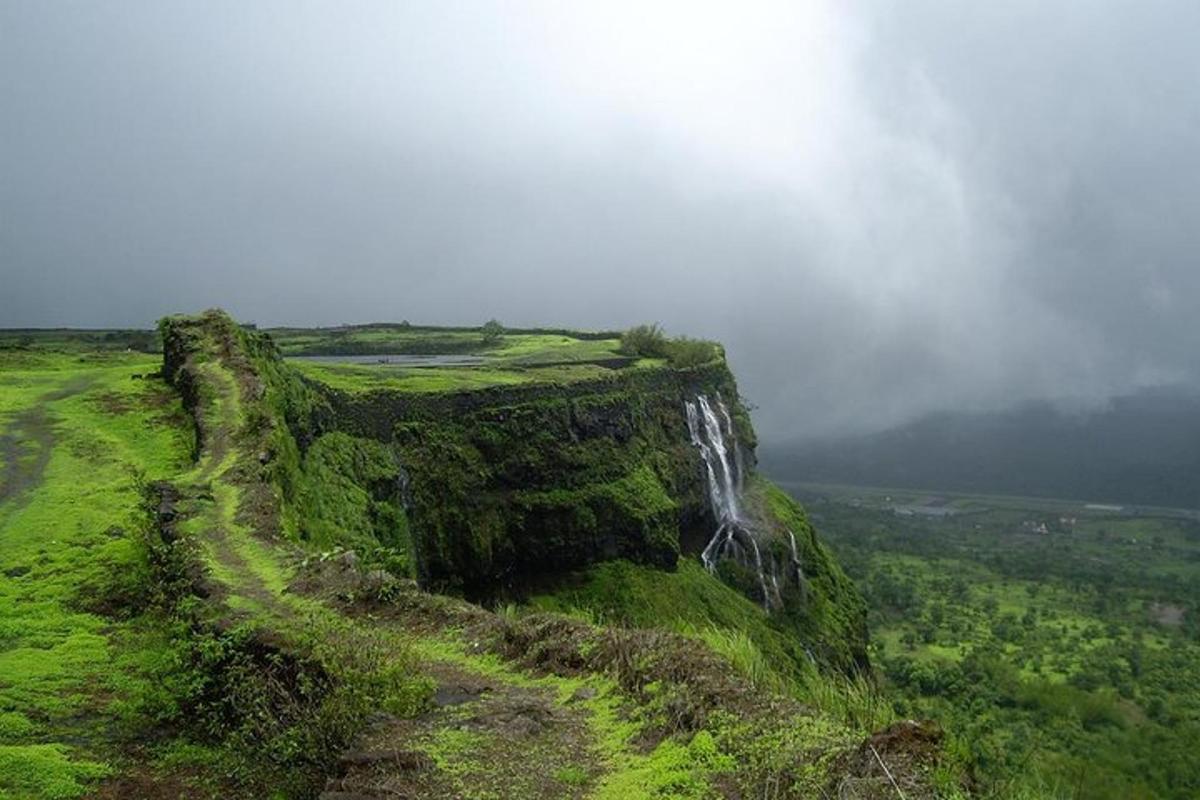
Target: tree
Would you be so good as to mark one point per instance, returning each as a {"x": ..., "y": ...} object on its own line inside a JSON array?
[{"x": 492, "y": 330}]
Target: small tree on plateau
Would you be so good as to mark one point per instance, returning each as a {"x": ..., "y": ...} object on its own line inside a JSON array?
[{"x": 492, "y": 331}]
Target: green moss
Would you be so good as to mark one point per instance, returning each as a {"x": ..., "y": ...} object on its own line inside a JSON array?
[
  {"x": 45, "y": 772},
  {"x": 674, "y": 769},
  {"x": 573, "y": 775},
  {"x": 91, "y": 436},
  {"x": 348, "y": 493}
]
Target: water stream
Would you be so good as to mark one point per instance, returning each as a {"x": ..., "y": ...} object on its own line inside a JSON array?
[{"x": 711, "y": 429}]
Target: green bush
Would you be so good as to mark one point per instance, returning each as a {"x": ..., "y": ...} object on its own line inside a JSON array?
[
  {"x": 650, "y": 341},
  {"x": 685, "y": 353},
  {"x": 644, "y": 341}
]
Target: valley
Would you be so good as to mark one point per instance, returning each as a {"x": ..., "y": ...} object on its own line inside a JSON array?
[{"x": 1057, "y": 640}]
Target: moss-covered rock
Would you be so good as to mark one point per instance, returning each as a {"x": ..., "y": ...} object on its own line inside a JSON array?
[{"x": 510, "y": 484}]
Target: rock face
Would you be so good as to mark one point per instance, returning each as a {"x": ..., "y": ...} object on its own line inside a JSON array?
[{"x": 509, "y": 485}]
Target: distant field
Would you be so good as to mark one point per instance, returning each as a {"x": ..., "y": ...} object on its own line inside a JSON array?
[
  {"x": 886, "y": 497},
  {"x": 1058, "y": 637}
]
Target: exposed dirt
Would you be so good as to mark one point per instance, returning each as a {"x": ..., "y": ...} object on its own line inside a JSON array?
[
  {"x": 484, "y": 738},
  {"x": 27, "y": 442},
  {"x": 25, "y": 451},
  {"x": 148, "y": 785}
]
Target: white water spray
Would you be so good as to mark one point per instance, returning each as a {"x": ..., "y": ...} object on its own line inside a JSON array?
[
  {"x": 724, "y": 468},
  {"x": 796, "y": 562}
]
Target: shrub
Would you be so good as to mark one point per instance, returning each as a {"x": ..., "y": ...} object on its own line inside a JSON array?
[
  {"x": 646, "y": 341},
  {"x": 649, "y": 341},
  {"x": 685, "y": 353}
]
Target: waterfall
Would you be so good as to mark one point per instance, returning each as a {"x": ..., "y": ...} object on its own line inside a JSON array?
[
  {"x": 796, "y": 562},
  {"x": 712, "y": 434}
]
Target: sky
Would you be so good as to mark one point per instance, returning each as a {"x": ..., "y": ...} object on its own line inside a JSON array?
[{"x": 882, "y": 209}]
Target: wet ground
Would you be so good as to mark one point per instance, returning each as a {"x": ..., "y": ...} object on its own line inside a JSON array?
[{"x": 401, "y": 360}]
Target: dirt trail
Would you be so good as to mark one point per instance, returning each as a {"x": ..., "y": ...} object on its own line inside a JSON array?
[
  {"x": 217, "y": 458},
  {"x": 485, "y": 737},
  {"x": 28, "y": 440}
]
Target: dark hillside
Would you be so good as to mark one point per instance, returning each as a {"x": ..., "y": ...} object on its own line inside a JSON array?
[{"x": 1142, "y": 449}]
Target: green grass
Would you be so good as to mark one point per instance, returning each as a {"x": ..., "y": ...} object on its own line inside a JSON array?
[
  {"x": 70, "y": 542},
  {"x": 694, "y": 603},
  {"x": 373, "y": 377},
  {"x": 688, "y": 600},
  {"x": 513, "y": 359}
]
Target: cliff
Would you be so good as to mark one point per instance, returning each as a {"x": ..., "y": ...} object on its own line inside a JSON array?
[{"x": 501, "y": 491}]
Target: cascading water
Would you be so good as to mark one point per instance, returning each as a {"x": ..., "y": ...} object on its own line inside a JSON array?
[
  {"x": 723, "y": 466},
  {"x": 736, "y": 537}
]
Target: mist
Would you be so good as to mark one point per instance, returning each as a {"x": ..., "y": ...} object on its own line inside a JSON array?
[{"x": 880, "y": 209}]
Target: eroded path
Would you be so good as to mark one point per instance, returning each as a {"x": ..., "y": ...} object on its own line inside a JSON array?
[{"x": 27, "y": 440}]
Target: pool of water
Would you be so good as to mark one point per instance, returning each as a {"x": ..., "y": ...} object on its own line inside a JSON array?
[{"x": 401, "y": 359}]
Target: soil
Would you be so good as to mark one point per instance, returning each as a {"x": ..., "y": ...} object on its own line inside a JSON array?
[
  {"x": 26, "y": 443},
  {"x": 515, "y": 739}
]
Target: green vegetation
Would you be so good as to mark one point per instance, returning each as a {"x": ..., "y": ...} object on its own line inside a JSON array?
[
  {"x": 688, "y": 600},
  {"x": 384, "y": 377},
  {"x": 205, "y": 587},
  {"x": 79, "y": 438},
  {"x": 763, "y": 648},
  {"x": 1059, "y": 645},
  {"x": 650, "y": 341},
  {"x": 493, "y": 331}
]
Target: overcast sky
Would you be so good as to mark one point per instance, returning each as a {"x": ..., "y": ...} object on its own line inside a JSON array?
[{"x": 882, "y": 208}]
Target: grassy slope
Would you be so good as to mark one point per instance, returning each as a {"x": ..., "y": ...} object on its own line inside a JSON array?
[
  {"x": 688, "y": 601},
  {"x": 69, "y": 539},
  {"x": 692, "y": 602}
]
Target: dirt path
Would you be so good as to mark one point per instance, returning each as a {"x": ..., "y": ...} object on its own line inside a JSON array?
[
  {"x": 28, "y": 440},
  {"x": 218, "y": 457},
  {"x": 485, "y": 737}
]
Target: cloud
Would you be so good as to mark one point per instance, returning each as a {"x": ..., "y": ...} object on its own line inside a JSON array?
[{"x": 882, "y": 210}]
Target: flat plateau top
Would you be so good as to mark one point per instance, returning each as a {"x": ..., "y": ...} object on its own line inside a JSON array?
[
  {"x": 409, "y": 359},
  {"x": 392, "y": 357}
]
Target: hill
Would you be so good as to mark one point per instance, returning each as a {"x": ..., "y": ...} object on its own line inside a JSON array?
[{"x": 1140, "y": 449}]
